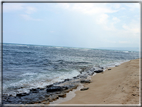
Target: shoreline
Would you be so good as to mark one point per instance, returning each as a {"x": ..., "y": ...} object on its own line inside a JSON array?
[
  {"x": 122, "y": 87},
  {"x": 74, "y": 93}
]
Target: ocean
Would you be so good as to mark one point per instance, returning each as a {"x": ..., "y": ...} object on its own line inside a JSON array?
[{"x": 31, "y": 66}]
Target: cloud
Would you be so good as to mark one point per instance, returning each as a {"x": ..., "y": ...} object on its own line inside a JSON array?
[
  {"x": 8, "y": 7},
  {"x": 102, "y": 19},
  {"x": 88, "y": 8},
  {"x": 115, "y": 19},
  {"x": 133, "y": 27},
  {"x": 28, "y": 17},
  {"x": 30, "y": 10},
  {"x": 100, "y": 11},
  {"x": 23, "y": 8}
]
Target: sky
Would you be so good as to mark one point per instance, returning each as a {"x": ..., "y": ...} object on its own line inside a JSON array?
[{"x": 87, "y": 25}]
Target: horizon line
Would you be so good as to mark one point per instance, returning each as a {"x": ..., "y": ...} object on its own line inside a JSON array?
[{"x": 105, "y": 48}]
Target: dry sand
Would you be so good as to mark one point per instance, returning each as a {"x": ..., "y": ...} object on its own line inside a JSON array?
[{"x": 120, "y": 85}]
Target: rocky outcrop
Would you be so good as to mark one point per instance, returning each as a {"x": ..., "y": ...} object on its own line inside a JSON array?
[
  {"x": 85, "y": 81},
  {"x": 53, "y": 97},
  {"x": 98, "y": 71},
  {"x": 53, "y": 91},
  {"x": 54, "y": 88},
  {"x": 34, "y": 90},
  {"x": 62, "y": 95},
  {"x": 85, "y": 88},
  {"x": 22, "y": 94}
]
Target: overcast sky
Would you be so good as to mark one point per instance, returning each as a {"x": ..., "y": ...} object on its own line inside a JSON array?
[{"x": 88, "y": 25}]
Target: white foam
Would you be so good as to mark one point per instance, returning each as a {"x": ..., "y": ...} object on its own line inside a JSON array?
[
  {"x": 28, "y": 74},
  {"x": 126, "y": 51},
  {"x": 67, "y": 75},
  {"x": 40, "y": 80}
]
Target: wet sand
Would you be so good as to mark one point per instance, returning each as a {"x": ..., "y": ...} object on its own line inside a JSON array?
[{"x": 120, "y": 85}]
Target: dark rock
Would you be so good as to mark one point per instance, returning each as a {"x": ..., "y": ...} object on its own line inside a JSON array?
[
  {"x": 133, "y": 94},
  {"x": 74, "y": 77},
  {"x": 34, "y": 100},
  {"x": 41, "y": 88},
  {"x": 22, "y": 94},
  {"x": 109, "y": 69},
  {"x": 5, "y": 97},
  {"x": 76, "y": 82},
  {"x": 34, "y": 90},
  {"x": 53, "y": 97},
  {"x": 54, "y": 88},
  {"x": 66, "y": 79},
  {"x": 13, "y": 100},
  {"x": 98, "y": 71},
  {"x": 83, "y": 89},
  {"x": 85, "y": 81},
  {"x": 83, "y": 76},
  {"x": 70, "y": 87},
  {"x": 62, "y": 95},
  {"x": 48, "y": 86},
  {"x": 90, "y": 72},
  {"x": 65, "y": 87},
  {"x": 45, "y": 102}
]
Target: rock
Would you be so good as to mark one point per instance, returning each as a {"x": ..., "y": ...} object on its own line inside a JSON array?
[
  {"x": 45, "y": 102},
  {"x": 77, "y": 77},
  {"x": 49, "y": 86},
  {"x": 13, "y": 100},
  {"x": 109, "y": 69},
  {"x": 102, "y": 67},
  {"x": 83, "y": 89},
  {"x": 98, "y": 71},
  {"x": 83, "y": 76},
  {"x": 22, "y": 94},
  {"x": 54, "y": 88},
  {"x": 85, "y": 81},
  {"x": 53, "y": 97},
  {"x": 34, "y": 90},
  {"x": 62, "y": 95},
  {"x": 74, "y": 77},
  {"x": 133, "y": 94},
  {"x": 92, "y": 69},
  {"x": 74, "y": 86},
  {"x": 90, "y": 72},
  {"x": 66, "y": 80},
  {"x": 5, "y": 97},
  {"x": 40, "y": 88},
  {"x": 70, "y": 88}
]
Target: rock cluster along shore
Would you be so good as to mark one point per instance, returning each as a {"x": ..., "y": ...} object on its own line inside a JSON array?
[{"x": 51, "y": 92}]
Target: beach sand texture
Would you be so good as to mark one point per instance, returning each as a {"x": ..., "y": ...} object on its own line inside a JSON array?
[{"x": 120, "y": 85}]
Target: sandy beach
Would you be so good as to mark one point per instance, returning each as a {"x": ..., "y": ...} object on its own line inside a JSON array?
[{"x": 118, "y": 85}]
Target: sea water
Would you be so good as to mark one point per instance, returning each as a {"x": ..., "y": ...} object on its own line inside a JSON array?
[{"x": 32, "y": 66}]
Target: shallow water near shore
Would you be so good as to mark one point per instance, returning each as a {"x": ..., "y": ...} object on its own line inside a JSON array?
[{"x": 32, "y": 66}]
